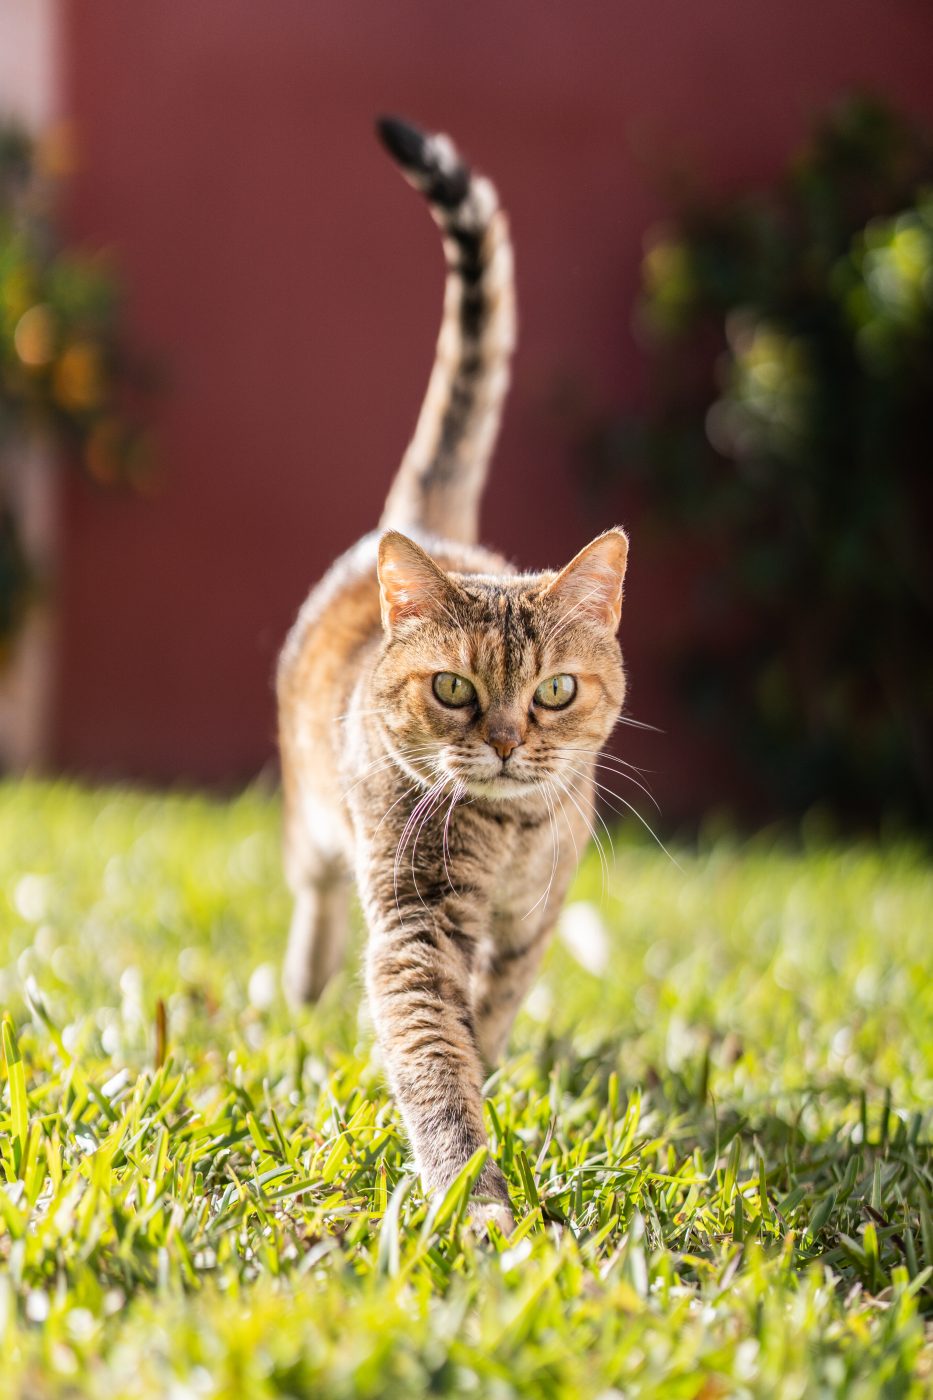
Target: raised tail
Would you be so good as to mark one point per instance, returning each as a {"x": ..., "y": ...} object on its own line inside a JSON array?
[{"x": 440, "y": 481}]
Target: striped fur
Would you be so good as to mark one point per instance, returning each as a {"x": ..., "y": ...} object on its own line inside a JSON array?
[
  {"x": 461, "y": 826},
  {"x": 441, "y": 478}
]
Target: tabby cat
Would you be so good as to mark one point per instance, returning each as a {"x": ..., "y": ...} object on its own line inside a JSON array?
[{"x": 440, "y": 717}]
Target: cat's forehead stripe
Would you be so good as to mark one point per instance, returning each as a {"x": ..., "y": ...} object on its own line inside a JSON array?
[
  {"x": 506, "y": 644},
  {"x": 515, "y": 603}
]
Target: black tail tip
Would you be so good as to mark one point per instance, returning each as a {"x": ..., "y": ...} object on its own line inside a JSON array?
[
  {"x": 404, "y": 142},
  {"x": 438, "y": 170}
]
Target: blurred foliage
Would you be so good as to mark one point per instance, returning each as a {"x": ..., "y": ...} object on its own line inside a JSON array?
[
  {"x": 65, "y": 376},
  {"x": 789, "y": 434}
]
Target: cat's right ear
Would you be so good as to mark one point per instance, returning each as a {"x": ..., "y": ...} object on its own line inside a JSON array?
[
  {"x": 591, "y": 584},
  {"x": 410, "y": 583}
]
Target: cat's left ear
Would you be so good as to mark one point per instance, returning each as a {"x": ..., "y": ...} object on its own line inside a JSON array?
[
  {"x": 591, "y": 584},
  {"x": 411, "y": 585}
]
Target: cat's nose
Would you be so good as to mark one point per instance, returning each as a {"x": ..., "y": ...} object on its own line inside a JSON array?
[{"x": 505, "y": 742}]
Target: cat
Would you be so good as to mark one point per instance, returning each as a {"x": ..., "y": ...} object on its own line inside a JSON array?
[{"x": 440, "y": 717}]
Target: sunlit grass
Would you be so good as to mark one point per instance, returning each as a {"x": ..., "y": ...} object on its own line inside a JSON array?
[{"x": 715, "y": 1122}]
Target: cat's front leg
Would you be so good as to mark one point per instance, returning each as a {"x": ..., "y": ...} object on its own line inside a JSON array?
[{"x": 419, "y": 965}]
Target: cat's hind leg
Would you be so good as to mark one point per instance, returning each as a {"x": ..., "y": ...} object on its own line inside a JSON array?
[
  {"x": 320, "y": 882},
  {"x": 501, "y": 979},
  {"x": 317, "y": 936},
  {"x": 509, "y": 957}
]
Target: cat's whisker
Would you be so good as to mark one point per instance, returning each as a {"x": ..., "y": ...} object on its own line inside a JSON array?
[
  {"x": 556, "y": 844},
  {"x": 406, "y": 793},
  {"x": 624, "y": 763},
  {"x": 605, "y": 828},
  {"x": 608, "y": 792},
  {"x": 555, "y": 847},
  {"x": 620, "y": 773},
  {"x": 608, "y": 768},
  {"x": 413, "y": 816},
  {"x": 565, "y": 787},
  {"x": 420, "y": 809},
  {"x": 569, "y": 826},
  {"x": 458, "y": 792},
  {"x": 379, "y": 761},
  {"x": 574, "y": 796},
  {"x": 370, "y": 772},
  {"x": 606, "y": 756},
  {"x": 556, "y": 841},
  {"x": 611, "y": 792},
  {"x": 432, "y": 808},
  {"x": 416, "y": 812},
  {"x": 642, "y": 787},
  {"x": 635, "y": 813},
  {"x": 353, "y": 713},
  {"x": 638, "y": 724},
  {"x": 388, "y": 760}
]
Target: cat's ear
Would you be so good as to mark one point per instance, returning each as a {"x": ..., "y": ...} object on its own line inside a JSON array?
[
  {"x": 591, "y": 584},
  {"x": 411, "y": 585}
]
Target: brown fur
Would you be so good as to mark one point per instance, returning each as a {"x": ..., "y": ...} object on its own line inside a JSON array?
[{"x": 462, "y": 826}]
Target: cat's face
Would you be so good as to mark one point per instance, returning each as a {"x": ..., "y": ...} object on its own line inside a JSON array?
[{"x": 505, "y": 684}]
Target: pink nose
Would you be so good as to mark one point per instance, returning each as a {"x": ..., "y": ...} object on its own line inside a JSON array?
[{"x": 504, "y": 744}]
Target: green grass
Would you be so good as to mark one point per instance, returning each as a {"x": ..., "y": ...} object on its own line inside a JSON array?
[{"x": 718, "y": 1139}]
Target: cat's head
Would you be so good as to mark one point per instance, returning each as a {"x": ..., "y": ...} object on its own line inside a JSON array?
[{"x": 506, "y": 683}]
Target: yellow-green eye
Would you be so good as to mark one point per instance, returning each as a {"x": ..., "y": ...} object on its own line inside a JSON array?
[
  {"x": 556, "y": 692},
  {"x": 454, "y": 690}
]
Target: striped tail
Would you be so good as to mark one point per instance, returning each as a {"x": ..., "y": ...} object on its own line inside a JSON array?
[{"x": 440, "y": 481}]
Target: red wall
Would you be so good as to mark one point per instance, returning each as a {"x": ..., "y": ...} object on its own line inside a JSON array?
[{"x": 291, "y": 283}]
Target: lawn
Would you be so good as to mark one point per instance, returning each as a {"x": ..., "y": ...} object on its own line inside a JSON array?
[{"x": 715, "y": 1120}]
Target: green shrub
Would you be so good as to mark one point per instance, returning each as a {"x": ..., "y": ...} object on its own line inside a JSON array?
[
  {"x": 789, "y": 436},
  {"x": 65, "y": 376}
]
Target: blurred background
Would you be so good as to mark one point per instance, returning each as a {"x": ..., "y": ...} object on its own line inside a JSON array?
[{"x": 218, "y": 306}]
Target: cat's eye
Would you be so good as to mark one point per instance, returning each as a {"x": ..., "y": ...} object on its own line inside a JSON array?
[
  {"x": 556, "y": 692},
  {"x": 454, "y": 690}
]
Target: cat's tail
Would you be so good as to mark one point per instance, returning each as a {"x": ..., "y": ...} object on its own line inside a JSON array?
[{"x": 439, "y": 483}]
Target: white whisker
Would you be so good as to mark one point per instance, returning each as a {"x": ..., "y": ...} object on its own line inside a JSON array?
[
  {"x": 635, "y": 813},
  {"x": 459, "y": 790},
  {"x": 638, "y": 724},
  {"x": 420, "y": 809},
  {"x": 349, "y": 714},
  {"x": 388, "y": 760},
  {"x": 432, "y": 808},
  {"x": 555, "y": 845},
  {"x": 406, "y": 793},
  {"x": 607, "y": 754},
  {"x": 604, "y": 763},
  {"x": 604, "y": 864},
  {"x": 569, "y": 825}
]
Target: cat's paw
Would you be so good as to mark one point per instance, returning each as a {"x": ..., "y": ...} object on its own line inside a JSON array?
[{"x": 483, "y": 1213}]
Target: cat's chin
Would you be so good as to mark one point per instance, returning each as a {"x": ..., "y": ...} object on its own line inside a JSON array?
[{"x": 501, "y": 788}]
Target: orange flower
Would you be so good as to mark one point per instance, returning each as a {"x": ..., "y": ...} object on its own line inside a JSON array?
[
  {"x": 78, "y": 382},
  {"x": 34, "y": 337}
]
